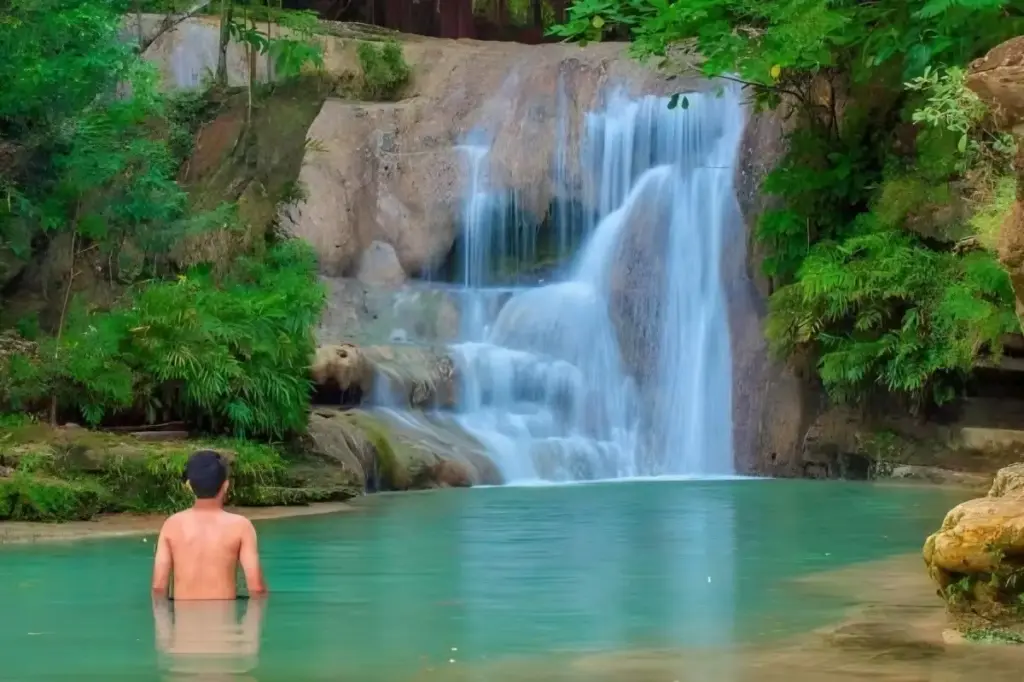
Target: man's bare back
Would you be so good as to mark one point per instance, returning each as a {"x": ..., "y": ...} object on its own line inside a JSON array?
[{"x": 203, "y": 547}]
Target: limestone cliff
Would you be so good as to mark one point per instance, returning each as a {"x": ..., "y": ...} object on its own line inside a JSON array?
[{"x": 383, "y": 182}]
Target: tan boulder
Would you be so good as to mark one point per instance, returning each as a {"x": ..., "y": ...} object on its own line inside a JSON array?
[
  {"x": 1009, "y": 482},
  {"x": 974, "y": 556},
  {"x": 343, "y": 366}
]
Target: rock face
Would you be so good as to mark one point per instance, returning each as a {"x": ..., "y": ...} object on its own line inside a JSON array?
[
  {"x": 398, "y": 375},
  {"x": 638, "y": 277},
  {"x": 975, "y": 557},
  {"x": 343, "y": 367},
  {"x": 998, "y": 79},
  {"x": 392, "y": 172},
  {"x": 374, "y": 315},
  {"x": 379, "y": 266}
]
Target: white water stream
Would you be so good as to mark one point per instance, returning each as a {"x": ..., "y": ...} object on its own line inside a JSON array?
[{"x": 545, "y": 385}]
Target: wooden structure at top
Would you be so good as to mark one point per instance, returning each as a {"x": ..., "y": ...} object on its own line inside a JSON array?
[{"x": 444, "y": 18}]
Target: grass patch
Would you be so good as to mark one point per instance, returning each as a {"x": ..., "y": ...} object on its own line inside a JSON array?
[
  {"x": 385, "y": 71},
  {"x": 990, "y": 216}
]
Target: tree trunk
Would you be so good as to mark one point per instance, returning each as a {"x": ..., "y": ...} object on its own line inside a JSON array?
[
  {"x": 225, "y": 40},
  {"x": 64, "y": 311}
]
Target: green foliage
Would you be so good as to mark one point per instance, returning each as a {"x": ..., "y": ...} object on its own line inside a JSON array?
[
  {"x": 991, "y": 214},
  {"x": 27, "y": 497},
  {"x": 229, "y": 354},
  {"x": 186, "y": 111},
  {"x": 780, "y": 42},
  {"x": 72, "y": 481},
  {"x": 385, "y": 71},
  {"x": 77, "y": 117},
  {"x": 153, "y": 482},
  {"x": 952, "y": 107},
  {"x": 290, "y": 51},
  {"x": 89, "y": 153},
  {"x": 992, "y": 636},
  {"x": 519, "y": 12},
  {"x": 886, "y": 137},
  {"x": 885, "y": 313}
]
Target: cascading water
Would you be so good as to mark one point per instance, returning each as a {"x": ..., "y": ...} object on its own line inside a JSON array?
[{"x": 592, "y": 377}]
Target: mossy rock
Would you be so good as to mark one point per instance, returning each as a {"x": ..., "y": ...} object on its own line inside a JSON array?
[
  {"x": 29, "y": 497},
  {"x": 73, "y": 473}
]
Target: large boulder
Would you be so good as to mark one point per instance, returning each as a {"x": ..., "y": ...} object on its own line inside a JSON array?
[
  {"x": 998, "y": 79},
  {"x": 408, "y": 454},
  {"x": 343, "y": 367},
  {"x": 397, "y": 375},
  {"x": 975, "y": 557}
]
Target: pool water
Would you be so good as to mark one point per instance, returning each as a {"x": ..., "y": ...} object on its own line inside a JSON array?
[{"x": 411, "y": 584}]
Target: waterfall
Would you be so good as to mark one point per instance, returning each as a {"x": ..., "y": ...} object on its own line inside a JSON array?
[{"x": 622, "y": 367}]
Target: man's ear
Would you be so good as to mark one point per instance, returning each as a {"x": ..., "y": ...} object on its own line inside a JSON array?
[{"x": 224, "y": 487}]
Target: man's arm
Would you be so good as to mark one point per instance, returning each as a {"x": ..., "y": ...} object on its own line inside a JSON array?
[
  {"x": 249, "y": 558},
  {"x": 162, "y": 565}
]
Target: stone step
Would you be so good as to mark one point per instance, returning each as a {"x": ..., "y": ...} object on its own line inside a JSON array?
[
  {"x": 978, "y": 438},
  {"x": 998, "y": 413}
]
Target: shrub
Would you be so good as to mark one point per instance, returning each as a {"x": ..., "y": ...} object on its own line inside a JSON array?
[
  {"x": 385, "y": 71},
  {"x": 885, "y": 313},
  {"x": 29, "y": 497},
  {"x": 228, "y": 354},
  {"x": 52, "y": 484}
]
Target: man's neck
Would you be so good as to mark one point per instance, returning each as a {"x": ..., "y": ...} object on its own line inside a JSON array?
[{"x": 214, "y": 504}]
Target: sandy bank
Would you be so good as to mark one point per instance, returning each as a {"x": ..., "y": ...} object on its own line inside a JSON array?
[{"x": 118, "y": 525}]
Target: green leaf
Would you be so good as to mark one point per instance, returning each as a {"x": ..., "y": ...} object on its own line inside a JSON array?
[{"x": 962, "y": 144}]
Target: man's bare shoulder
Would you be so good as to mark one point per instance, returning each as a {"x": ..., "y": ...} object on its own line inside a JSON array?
[
  {"x": 238, "y": 522},
  {"x": 174, "y": 521}
]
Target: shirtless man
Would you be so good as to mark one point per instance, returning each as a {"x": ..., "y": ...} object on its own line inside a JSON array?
[{"x": 205, "y": 544}]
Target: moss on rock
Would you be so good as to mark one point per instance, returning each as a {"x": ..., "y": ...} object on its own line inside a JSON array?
[{"x": 72, "y": 473}]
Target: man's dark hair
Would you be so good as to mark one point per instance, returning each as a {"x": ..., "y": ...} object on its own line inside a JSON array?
[{"x": 206, "y": 472}]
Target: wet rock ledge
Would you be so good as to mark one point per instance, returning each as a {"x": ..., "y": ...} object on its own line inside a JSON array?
[{"x": 412, "y": 447}]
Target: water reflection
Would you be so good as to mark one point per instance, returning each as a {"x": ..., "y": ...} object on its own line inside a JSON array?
[{"x": 208, "y": 641}]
